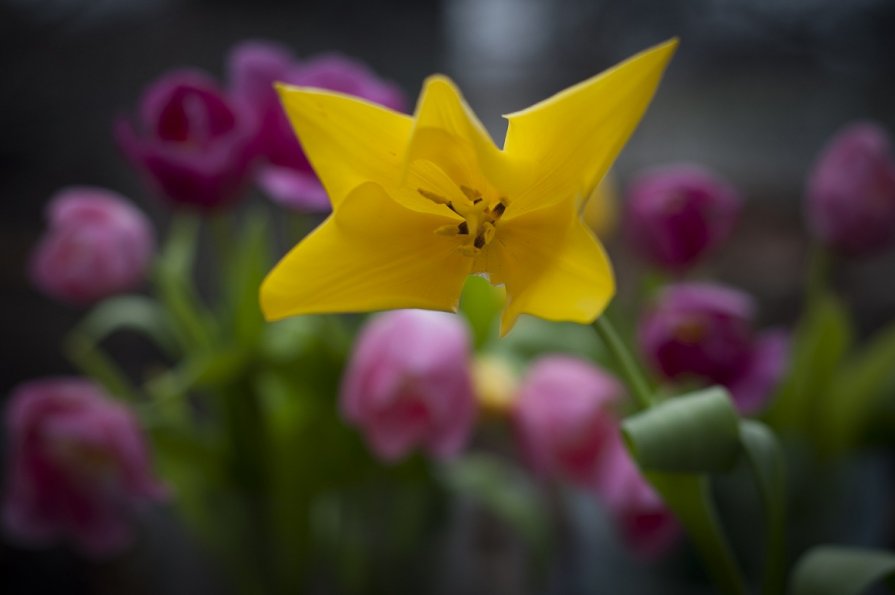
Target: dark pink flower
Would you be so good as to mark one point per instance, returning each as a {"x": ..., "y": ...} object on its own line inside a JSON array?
[
  {"x": 255, "y": 66},
  {"x": 97, "y": 245},
  {"x": 78, "y": 467},
  {"x": 564, "y": 417},
  {"x": 677, "y": 214},
  {"x": 194, "y": 143},
  {"x": 706, "y": 331},
  {"x": 851, "y": 191},
  {"x": 646, "y": 526},
  {"x": 409, "y": 384}
]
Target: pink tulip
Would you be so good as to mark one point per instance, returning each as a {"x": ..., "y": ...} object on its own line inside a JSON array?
[
  {"x": 287, "y": 176},
  {"x": 97, "y": 245},
  {"x": 676, "y": 215},
  {"x": 644, "y": 523},
  {"x": 564, "y": 418},
  {"x": 851, "y": 191},
  {"x": 78, "y": 467},
  {"x": 409, "y": 384},
  {"x": 194, "y": 143}
]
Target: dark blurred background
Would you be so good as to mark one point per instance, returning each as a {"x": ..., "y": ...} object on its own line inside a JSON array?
[{"x": 754, "y": 91}]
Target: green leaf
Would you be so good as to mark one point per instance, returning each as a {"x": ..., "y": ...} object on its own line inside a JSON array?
[
  {"x": 243, "y": 275},
  {"x": 676, "y": 443},
  {"x": 821, "y": 341},
  {"x": 132, "y": 313},
  {"x": 856, "y": 388},
  {"x": 173, "y": 277},
  {"x": 696, "y": 433},
  {"x": 504, "y": 490},
  {"x": 481, "y": 304},
  {"x": 765, "y": 458},
  {"x": 831, "y": 570}
]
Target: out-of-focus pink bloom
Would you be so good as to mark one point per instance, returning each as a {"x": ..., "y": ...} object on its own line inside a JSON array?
[
  {"x": 409, "y": 384},
  {"x": 851, "y": 191},
  {"x": 647, "y": 527},
  {"x": 564, "y": 419},
  {"x": 677, "y": 214},
  {"x": 78, "y": 467},
  {"x": 194, "y": 143},
  {"x": 254, "y": 68},
  {"x": 97, "y": 245},
  {"x": 705, "y": 331}
]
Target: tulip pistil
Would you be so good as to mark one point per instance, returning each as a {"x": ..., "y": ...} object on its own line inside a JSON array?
[{"x": 480, "y": 218}]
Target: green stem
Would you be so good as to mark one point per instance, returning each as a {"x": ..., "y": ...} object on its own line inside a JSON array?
[
  {"x": 701, "y": 522},
  {"x": 94, "y": 363},
  {"x": 640, "y": 388}
]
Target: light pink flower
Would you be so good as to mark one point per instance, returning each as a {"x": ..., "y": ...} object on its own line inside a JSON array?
[
  {"x": 78, "y": 466},
  {"x": 644, "y": 523},
  {"x": 564, "y": 417},
  {"x": 408, "y": 384},
  {"x": 97, "y": 245}
]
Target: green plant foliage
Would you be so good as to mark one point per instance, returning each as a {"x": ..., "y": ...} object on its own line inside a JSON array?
[{"x": 832, "y": 570}]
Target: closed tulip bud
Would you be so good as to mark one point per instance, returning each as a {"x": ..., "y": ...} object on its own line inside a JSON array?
[
  {"x": 287, "y": 176},
  {"x": 564, "y": 418},
  {"x": 97, "y": 245},
  {"x": 644, "y": 523},
  {"x": 851, "y": 191},
  {"x": 194, "y": 144},
  {"x": 78, "y": 467},
  {"x": 705, "y": 331},
  {"x": 408, "y": 384},
  {"x": 676, "y": 215}
]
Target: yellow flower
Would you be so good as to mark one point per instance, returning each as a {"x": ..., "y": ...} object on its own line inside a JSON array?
[{"x": 421, "y": 202}]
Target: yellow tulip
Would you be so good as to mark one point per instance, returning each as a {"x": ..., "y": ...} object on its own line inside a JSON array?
[{"x": 422, "y": 201}]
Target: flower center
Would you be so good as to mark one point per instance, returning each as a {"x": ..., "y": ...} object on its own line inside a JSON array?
[{"x": 480, "y": 218}]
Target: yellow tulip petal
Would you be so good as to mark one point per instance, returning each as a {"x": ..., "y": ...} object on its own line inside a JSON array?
[
  {"x": 348, "y": 140},
  {"x": 371, "y": 254},
  {"x": 553, "y": 267},
  {"x": 448, "y": 132},
  {"x": 573, "y": 137}
]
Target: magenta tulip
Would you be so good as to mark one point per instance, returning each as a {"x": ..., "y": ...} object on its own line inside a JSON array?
[
  {"x": 194, "y": 144},
  {"x": 851, "y": 191},
  {"x": 676, "y": 215},
  {"x": 78, "y": 467}
]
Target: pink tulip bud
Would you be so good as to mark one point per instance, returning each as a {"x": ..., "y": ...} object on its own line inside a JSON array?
[
  {"x": 77, "y": 467},
  {"x": 705, "y": 331},
  {"x": 194, "y": 143},
  {"x": 97, "y": 245},
  {"x": 644, "y": 523},
  {"x": 254, "y": 68},
  {"x": 676, "y": 215},
  {"x": 409, "y": 384},
  {"x": 851, "y": 192},
  {"x": 564, "y": 417}
]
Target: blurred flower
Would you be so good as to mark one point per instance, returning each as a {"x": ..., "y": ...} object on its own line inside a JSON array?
[
  {"x": 193, "y": 142},
  {"x": 601, "y": 211},
  {"x": 495, "y": 384},
  {"x": 254, "y": 68},
  {"x": 78, "y": 467},
  {"x": 706, "y": 331},
  {"x": 564, "y": 418},
  {"x": 97, "y": 245},
  {"x": 677, "y": 214},
  {"x": 851, "y": 191},
  {"x": 647, "y": 527},
  {"x": 421, "y": 202},
  {"x": 408, "y": 384}
]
